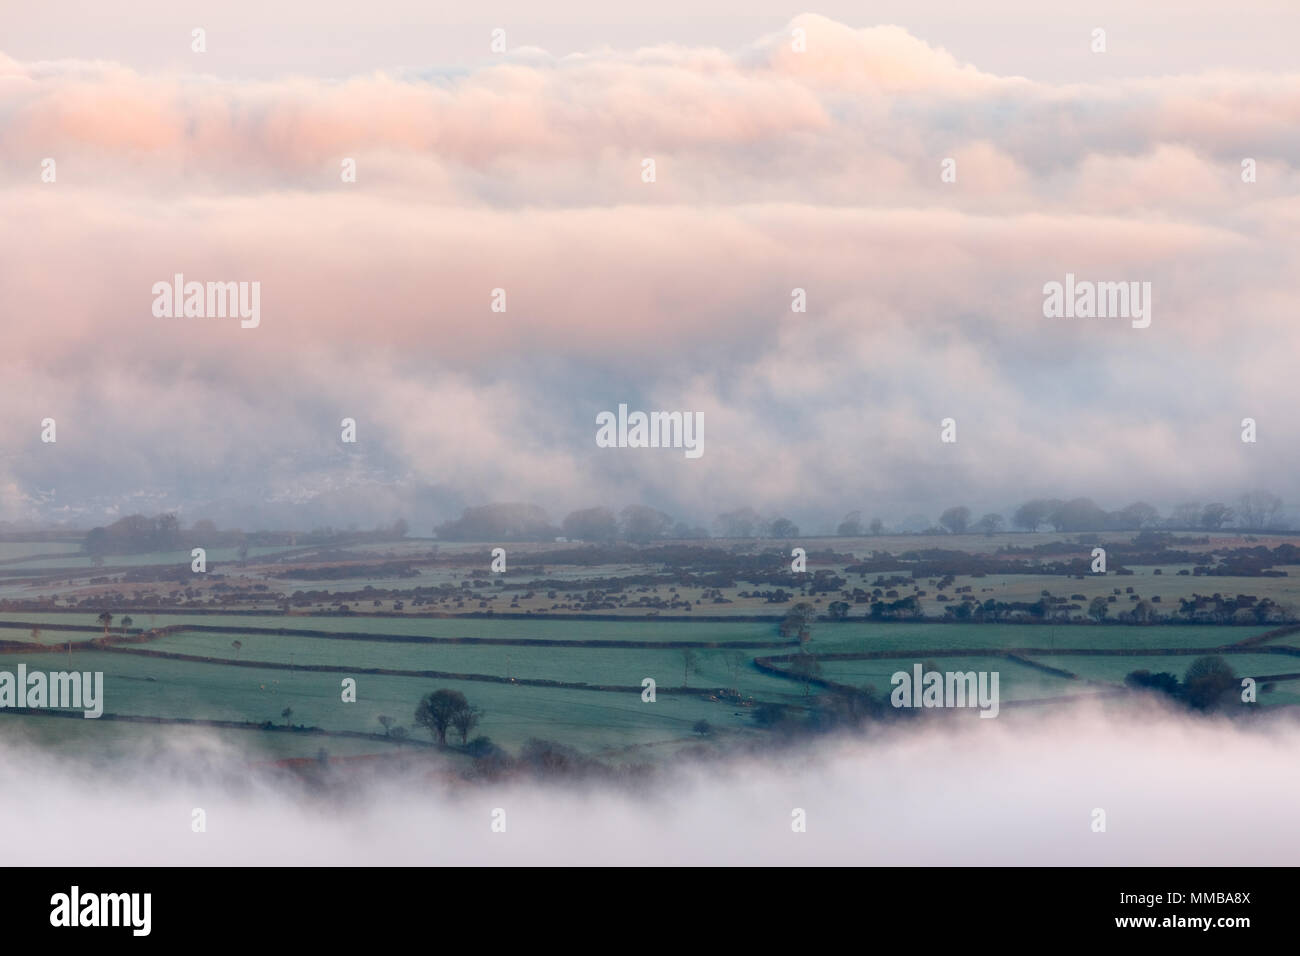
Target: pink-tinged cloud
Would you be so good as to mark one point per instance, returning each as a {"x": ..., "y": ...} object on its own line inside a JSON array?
[{"x": 775, "y": 170}]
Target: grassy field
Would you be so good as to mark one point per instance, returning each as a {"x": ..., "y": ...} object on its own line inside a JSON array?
[
  {"x": 593, "y": 720},
  {"x": 264, "y": 676},
  {"x": 589, "y": 720}
]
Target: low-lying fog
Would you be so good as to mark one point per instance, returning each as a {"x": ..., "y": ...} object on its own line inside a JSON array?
[{"x": 1022, "y": 789}]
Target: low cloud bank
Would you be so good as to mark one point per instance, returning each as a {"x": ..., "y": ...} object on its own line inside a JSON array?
[{"x": 1020, "y": 790}]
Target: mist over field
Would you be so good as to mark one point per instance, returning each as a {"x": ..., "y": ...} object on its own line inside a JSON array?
[{"x": 1176, "y": 790}]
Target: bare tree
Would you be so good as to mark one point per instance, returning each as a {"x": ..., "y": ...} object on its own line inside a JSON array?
[
  {"x": 804, "y": 666},
  {"x": 1259, "y": 510},
  {"x": 464, "y": 720},
  {"x": 688, "y": 665},
  {"x": 735, "y": 660},
  {"x": 1186, "y": 515}
]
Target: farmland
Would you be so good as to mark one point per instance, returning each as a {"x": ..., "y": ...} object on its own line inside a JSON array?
[{"x": 256, "y": 649}]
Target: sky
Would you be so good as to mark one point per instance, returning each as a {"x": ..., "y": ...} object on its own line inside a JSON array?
[{"x": 791, "y": 151}]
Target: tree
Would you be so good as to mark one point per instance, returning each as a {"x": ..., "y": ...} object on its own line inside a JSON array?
[
  {"x": 688, "y": 532},
  {"x": 804, "y": 666},
  {"x": 782, "y": 528},
  {"x": 740, "y": 523},
  {"x": 436, "y": 710},
  {"x": 641, "y": 524},
  {"x": 1137, "y": 516},
  {"x": 798, "y": 622},
  {"x": 550, "y": 759},
  {"x": 505, "y": 521},
  {"x": 167, "y": 532},
  {"x": 1098, "y": 609},
  {"x": 286, "y": 714},
  {"x": 481, "y": 748},
  {"x": 134, "y": 533},
  {"x": 105, "y": 619},
  {"x": 126, "y": 622},
  {"x": 1259, "y": 510},
  {"x": 702, "y": 727},
  {"x": 237, "y": 645},
  {"x": 688, "y": 665},
  {"x": 851, "y": 526},
  {"x": 877, "y": 527},
  {"x": 591, "y": 524},
  {"x": 1215, "y": 516},
  {"x": 1078, "y": 514},
  {"x": 838, "y": 611},
  {"x": 990, "y": 524},
  {"x": 1186, "y": 515},
  {"x": 1164, "y": 682},
  {"x": 1034, "y": 513},
  {"x": 735, "y": 660},
  {"x": 1208, "y": 681},
  {"x": 956, "y": 519},
  {"x": 387, "y": 723},
  {"x": 464, "y": 720}
]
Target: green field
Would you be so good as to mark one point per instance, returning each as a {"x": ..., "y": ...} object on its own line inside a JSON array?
[
  {"x": 605, "y": 721},
  {"x": 589, "y": 720},
  {"x": 574, "y": 679}
]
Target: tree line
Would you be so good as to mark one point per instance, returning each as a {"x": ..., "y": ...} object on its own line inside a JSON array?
[
  {"x": 141, "y": 534},
  {"x": 1254, "y": 511},
  {"x": 642, "y": 524},
  {"x": 635, "y": 524}
]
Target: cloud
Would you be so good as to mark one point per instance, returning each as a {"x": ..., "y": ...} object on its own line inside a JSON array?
[
  {"x": 1020, "y": 790},
  {"x": 775, "y": 170}
]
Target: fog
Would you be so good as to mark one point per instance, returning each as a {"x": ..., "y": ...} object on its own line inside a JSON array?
[
  {"x": 777, "y": 171},
  {"x": 1021, "y": 789}
]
